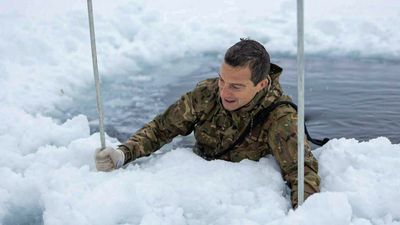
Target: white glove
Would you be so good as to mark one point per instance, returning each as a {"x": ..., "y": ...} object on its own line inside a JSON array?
[{"x": 108, "y": 159}]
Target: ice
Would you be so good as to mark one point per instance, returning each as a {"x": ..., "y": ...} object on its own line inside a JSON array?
[
  {"x": 368, "y": 165},
  {"x": 58, "y": 184},
  {"x": 178, "y": 187},
  {"x": 50, "y": 48},
  {"x": 326, "y": 205},
  {"x": 47, "y": 167}
]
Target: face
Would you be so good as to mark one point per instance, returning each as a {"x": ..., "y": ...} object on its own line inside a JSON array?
[{"x": 235, "y": 87}]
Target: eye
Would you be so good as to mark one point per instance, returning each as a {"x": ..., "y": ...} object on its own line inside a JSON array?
[{"x": 235, "y": 87}]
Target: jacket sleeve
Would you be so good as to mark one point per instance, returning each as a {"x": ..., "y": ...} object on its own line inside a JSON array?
[
  {"x": 178, "y": 119},
  {"x": 283, "y": 143}
]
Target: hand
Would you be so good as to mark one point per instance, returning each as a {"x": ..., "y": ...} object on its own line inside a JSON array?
[{"x": 108, "y": 159}]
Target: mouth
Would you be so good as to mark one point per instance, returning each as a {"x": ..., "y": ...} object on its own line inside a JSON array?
[{"x": 229, "y": 101}]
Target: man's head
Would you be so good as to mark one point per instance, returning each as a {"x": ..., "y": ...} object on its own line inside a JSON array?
[{"x": 243, "y": 73}]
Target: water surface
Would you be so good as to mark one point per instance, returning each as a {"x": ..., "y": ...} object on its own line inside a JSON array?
[{"x": 351, "y": 98}]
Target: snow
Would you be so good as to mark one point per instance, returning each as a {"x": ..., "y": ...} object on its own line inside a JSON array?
[
  {"x": 47, "y": 167},
  {"x": 368, "y": 167}
]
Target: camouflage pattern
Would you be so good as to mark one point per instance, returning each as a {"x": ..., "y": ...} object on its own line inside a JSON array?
[{"x": 215, "y": 129}]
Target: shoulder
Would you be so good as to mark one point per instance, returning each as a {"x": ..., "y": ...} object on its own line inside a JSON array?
[
  {"x": 284, "y": 109},
  {"x": 205, "y": 90},
  {"x": 210, "y": 84},
  {"x": 282, "y": 116},
  {"x": 205, "y": 95}
]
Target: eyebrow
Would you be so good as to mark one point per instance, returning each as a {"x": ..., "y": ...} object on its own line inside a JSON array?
[{"x": 234, "y": 84}]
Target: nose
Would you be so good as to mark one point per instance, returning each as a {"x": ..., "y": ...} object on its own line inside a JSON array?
[{"x": 224, "y": 91}]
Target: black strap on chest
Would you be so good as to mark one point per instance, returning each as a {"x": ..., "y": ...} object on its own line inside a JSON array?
[{"x": 259, "y": 118}]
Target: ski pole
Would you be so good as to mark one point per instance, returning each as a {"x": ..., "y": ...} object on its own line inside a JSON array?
[
  {"x": 300, "y": 121},
  {"x": 96, "y": 74}
]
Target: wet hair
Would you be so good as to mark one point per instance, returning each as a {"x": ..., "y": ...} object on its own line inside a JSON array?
[{"x": 250, "y": 53}]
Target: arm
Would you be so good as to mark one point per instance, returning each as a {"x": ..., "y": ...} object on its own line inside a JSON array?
[
  {"x": 178, "y": 119},
  {"x": 283, "y": 142}
]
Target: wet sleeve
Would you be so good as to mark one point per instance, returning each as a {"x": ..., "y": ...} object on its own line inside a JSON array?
[
  {"x": 283, "y": 142},
  {"x": 178, "y": 119}
]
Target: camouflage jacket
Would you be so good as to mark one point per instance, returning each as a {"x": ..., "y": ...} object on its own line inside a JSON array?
[{"x": 215, "y": 129}]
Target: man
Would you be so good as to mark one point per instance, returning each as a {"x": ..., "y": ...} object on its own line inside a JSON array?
[{"x": 220, "y": 111}]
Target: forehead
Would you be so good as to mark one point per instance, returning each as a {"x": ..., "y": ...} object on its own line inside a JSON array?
[{"x": 235, "y": 74}]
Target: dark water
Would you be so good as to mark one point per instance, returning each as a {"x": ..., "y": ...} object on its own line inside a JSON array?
[
  {"x": 343, "y": 97},
  {"x": 348, "y": 98}
]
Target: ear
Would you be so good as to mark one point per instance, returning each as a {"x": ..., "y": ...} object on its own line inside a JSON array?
[{"x": 262, "y": 84}]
